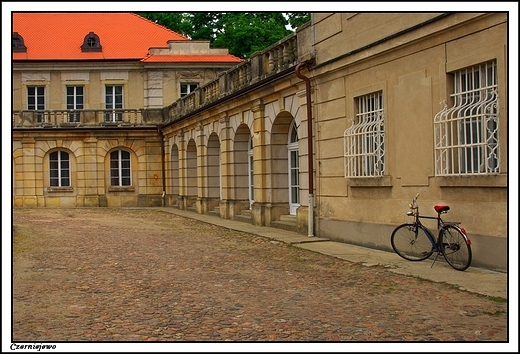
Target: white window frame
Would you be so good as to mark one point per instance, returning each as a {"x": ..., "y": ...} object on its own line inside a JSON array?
[
  {"x": 467, "y": 134},
  {"x": 119, "y": 170},
  {"x": 364, "y": 140},
  {"x": 38, "y": 101},
  {"x": 294, "y": 169},
  {"x": 61, "y": 167},
  {"x": 116, "y": 115},
  {"x": 78, "y": 99},
  {"x": 251, "y": 173},
  {"x": 187, "y": 88}
]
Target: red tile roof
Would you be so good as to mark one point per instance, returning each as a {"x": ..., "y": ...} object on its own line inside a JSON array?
[{"x": 123, "y": 36}]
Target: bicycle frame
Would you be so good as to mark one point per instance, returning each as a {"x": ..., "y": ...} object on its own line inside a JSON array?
[
  {"x": 414, "y": 211},
  {"x": 429, "y": 234}
]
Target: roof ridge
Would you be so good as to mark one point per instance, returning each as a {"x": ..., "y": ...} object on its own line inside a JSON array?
[{"x": 156, "y": 24}]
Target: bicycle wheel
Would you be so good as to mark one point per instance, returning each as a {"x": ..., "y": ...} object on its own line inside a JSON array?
[
  {"x": 411, "y": 242},
  {"x": 457, "y": 251}
]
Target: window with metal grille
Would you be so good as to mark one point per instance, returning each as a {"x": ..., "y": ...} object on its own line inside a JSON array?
[
  {"x": 365, "y": 139},
  {"x": 36, "y": 101},
  {"x": 74, "y": 102},
  {"x": 466, "y": 134},
  {"x": 120, "y": 169},
  {"x": 186, "y": 89},
  {"x": 59, "y": 169}
]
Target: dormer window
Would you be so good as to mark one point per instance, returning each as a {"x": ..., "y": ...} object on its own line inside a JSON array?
[
  {"x": 18, "y": 45},
  {"x": 91, "y": 43}
]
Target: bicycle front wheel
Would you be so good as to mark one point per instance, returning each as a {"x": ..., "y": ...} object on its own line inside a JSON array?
[
  {"x": 411, "y": 242},
  {"x": 456, "y": 249}
]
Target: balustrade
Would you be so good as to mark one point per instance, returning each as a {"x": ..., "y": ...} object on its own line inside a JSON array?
[
  {"x": 79, "y": 118},
  {"x": 274, "y": 59}
]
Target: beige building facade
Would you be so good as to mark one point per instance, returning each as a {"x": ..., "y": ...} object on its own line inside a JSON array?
[{"x": 353, "y": 115}]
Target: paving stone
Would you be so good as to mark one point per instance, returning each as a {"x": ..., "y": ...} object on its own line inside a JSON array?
[{"x": 139, "y": 275}]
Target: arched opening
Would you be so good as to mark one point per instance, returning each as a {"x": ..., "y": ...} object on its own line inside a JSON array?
[
  {"x": 294, "y": 169},
  {"x": 280, "y": 159},
  {"x": 214, "y": 172},
  {"x": 241, "y": 166},
  {"x": 191, "y": 172},
  {"x": 175, "y": 170}
]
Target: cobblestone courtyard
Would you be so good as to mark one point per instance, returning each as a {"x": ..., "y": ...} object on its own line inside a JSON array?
[{"x": 142, "y": 275}]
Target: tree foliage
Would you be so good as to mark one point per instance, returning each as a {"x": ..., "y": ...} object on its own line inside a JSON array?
[{"x": 243, "y": 33}]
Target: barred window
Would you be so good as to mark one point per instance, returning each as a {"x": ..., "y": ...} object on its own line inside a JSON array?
[
  {"x": 365, "y": 139},
  {"x": 120, "y": 170},
  {"x": 466, "y": 135},
  {"x": 59, "y": 169}
]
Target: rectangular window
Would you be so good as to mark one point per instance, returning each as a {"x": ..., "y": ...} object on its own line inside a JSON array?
[
  {"x": 75, "y": 100},
  {"x": 36, "y": 101},
  {"x": 365, "y": 139},
  {"x": 186, "y": 89},
  {"x": 120, "y": 168},
  {"x": 114, "y": 102},
  {"x": 59, "y": 169},
  {"x": 466, "y": 135}
]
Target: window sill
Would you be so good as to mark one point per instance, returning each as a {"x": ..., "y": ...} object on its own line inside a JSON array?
[
  {"x": 499, "y": 181},
  {"x": 59, "y": 189},
  {"x": 383, "y": 181},
  {"x": 121, "y": 189}
]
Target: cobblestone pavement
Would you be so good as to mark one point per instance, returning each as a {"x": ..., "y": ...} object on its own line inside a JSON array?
[{"x": 139, "y": 275}]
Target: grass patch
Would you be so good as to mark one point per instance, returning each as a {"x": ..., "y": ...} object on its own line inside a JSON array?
[{"x": 496, "y": 313}]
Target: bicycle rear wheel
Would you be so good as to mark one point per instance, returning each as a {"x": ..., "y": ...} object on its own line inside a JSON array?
[
  {"x": 457, "y": 251},
  {"x": 411, "y": 242}
]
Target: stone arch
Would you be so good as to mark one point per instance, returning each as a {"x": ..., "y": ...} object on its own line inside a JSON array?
[
  {"x": 279, "y": 157},
  {"x": 213, "y": 171},
  {"x": 174, "y": 170},
  {"x": 191, "y": 172},
  {"x": 240, "y": 150}
]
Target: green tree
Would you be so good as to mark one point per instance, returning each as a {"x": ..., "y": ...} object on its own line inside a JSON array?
[
  {"x": 243, "y": 33},
  {"x": 296, "y": 19},
  {"x": 179, "y": 22}
]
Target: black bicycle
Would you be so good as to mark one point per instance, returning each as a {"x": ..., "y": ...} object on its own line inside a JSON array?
[{"x": 415, "y": 242}]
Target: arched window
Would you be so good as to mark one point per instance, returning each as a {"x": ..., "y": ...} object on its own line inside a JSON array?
[
  {"x": 59, "y": 169},
  {"x": 18, "y": 44},
  {"x": 294, "y": 169},
  {"x": 91, "y": 43},
  {"x": 120, "y": 169}
]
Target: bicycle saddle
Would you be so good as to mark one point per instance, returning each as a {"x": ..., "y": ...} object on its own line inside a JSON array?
[{"x": 440, "y": 208}]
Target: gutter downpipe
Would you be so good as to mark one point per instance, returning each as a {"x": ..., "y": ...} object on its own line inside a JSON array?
[
  {"x": 163, "y": 197},
  {"x": 307, "y": 64}
]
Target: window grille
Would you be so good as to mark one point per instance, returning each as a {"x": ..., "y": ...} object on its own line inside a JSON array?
[
  {"x": 466, "y": 135},
  {"x": 365, "y": 139},
  {"x": 59, "y": 169},
  {"x": 120, "y": 169}
]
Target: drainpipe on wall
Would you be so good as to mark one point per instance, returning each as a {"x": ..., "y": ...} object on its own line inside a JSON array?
[
  {"x": 307, "y": 64},
  {"x": 161, "y": 135}
]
